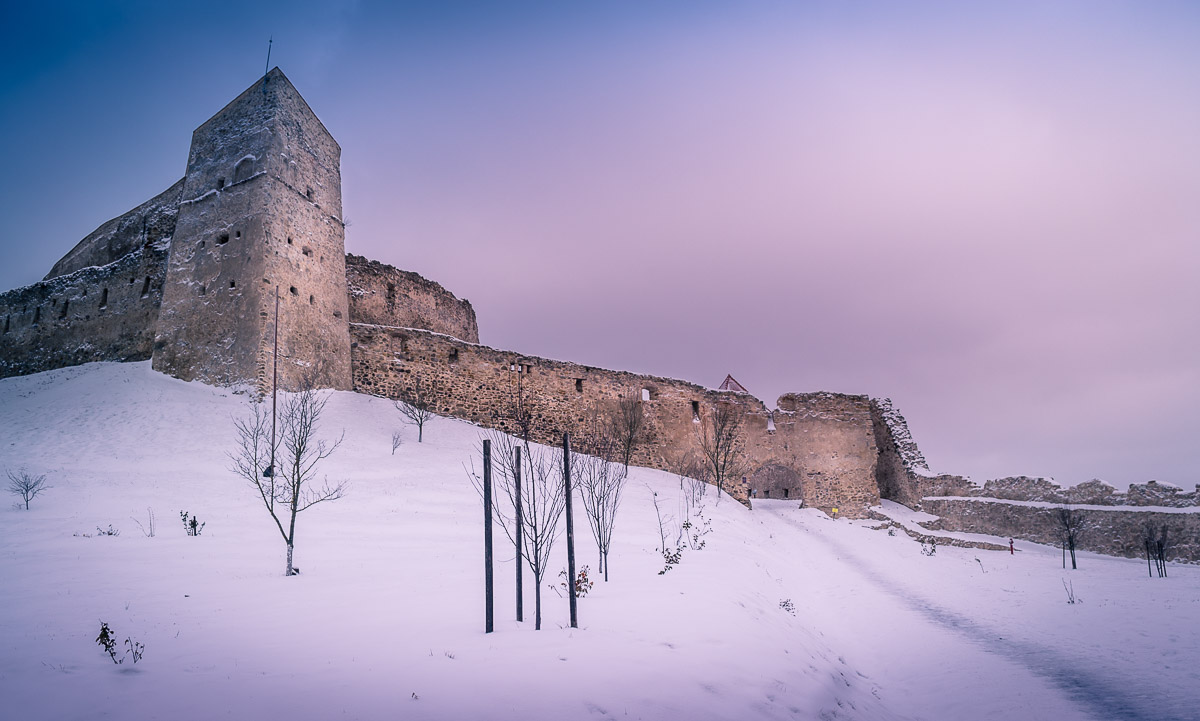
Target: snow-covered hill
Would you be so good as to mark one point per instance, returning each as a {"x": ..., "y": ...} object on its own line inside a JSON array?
[{"x": 386, "y": 619}]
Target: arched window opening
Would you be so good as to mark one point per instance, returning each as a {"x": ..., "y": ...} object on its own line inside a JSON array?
[{"x": 243, "y": 170}]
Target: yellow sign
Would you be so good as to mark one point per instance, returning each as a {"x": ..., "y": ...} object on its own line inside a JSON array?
[{"x": 835, "y": 510}]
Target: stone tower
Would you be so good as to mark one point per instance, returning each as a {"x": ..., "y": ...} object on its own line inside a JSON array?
[{"x": 260, "y": 214}]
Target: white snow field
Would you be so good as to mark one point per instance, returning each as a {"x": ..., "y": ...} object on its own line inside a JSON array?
[{"x": 386, "y": 619}]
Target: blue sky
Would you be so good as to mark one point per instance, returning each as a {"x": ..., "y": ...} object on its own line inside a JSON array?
[{"x": 985, "y": 211}]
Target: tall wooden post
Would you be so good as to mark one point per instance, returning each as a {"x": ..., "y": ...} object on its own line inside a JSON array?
[
  {"x": 570, "y": 531},
  {"x": 487, "y": 534},
  {"x": 519, "y": 537}
]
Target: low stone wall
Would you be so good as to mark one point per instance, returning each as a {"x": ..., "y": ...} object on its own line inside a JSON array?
[
  {"x": 1094, "y": 492},
  {"x": 382, "y": 295},
  {"x": 95, "y": 314},
  {"x": 1112, "y": 531},
  {"x": 819, "y": 447}
]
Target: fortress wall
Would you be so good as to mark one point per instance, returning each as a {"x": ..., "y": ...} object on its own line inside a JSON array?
[
  {"x": 1115, "y": 532},
  {"x": 102, "y": 313},
  {"x": 822, "y": 449},
  {"x": 382, "y": 295},
  {"x": 148, "y": 223}
]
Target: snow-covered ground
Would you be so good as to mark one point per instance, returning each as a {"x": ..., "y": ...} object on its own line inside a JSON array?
[{"x": 386, "y": 620}]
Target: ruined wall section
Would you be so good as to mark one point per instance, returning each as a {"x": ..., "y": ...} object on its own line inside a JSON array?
[
  {"x": 821, "y": 443},
  {"x": 261, "y": 215},
  {"x": 828, "y": 440},
  {"x": 102, "y": 313},
  {"x": 382, "y": 295},
  {"x": 902, "y": 474},
  {"x": 150, "y": 222}
]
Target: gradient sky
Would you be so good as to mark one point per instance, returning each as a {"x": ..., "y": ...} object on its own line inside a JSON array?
[{"x": 985, "y": 211}]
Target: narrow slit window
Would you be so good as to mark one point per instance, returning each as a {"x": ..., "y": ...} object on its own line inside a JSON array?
[
  {"x": 311, "y": 300},
  {"x": 104, "y": 298},
  {"x": 220, "y": 183},
  {"x": 289, "y": 241},
  {"x": 63, "y": 313},
  {"x": 203, "y": 289},
  {"x": 233, "y": 284},
  {"x": 146, "y": 287},
  {"x": 696, "y": 410},
  {"x": 770, "y": 423},
  {"x": 453, "y": 355},
  {"x": 786, "y": 492},
  {"x": 7, "y": 320},
  {"x": 37, "y": 314},
  {"x": 579, "y": 385}
]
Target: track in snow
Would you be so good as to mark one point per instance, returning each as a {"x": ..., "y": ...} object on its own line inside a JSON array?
[{"x": 1097, "y": 693}]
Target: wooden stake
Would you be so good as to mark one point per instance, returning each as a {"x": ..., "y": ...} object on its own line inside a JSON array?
[
  {"x": 570, "y": 531},
  {"x": 519, "y": 537},
  {"x": 487, "y": 535}
]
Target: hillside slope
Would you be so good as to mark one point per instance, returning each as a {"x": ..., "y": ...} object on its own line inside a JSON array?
[{"x": 386, "y": 619}]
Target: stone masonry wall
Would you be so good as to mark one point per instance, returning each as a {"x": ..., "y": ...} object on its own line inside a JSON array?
[
  {"x": 148, "y": 223},
  {"x": 821, "y": 448},
  {"x": 94, "y": 314},
  {"x": 382, "y": 295},
  {"x": 1116, "y": 531}
]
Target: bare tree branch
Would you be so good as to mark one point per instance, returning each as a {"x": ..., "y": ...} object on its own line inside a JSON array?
[
  {"x": 721, "y": 445},
  {"x": 26, "y": 485},
  {"x": 286, "y": 487},
  {"x": 417, "y": 403}
]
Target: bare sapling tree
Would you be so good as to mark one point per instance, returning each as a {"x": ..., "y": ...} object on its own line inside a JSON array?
[
  {"x": 627, "y": 426},
  {"x": 542, "y": 501},
  {"x": 1155, "y": 540},
  {"x": 417, "y": 403},
  {"x": 600, "y": 483},
  {"x": 721, "y": 442},
  {"x": 1069, "y": 522},
  {"x": 26, "y": 485},
  {"x": 397, "y": 439},
  {"x": 285, "y": 475}
]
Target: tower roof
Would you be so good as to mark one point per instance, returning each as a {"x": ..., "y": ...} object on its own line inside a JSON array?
[{"x": 731, "y": 384}]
